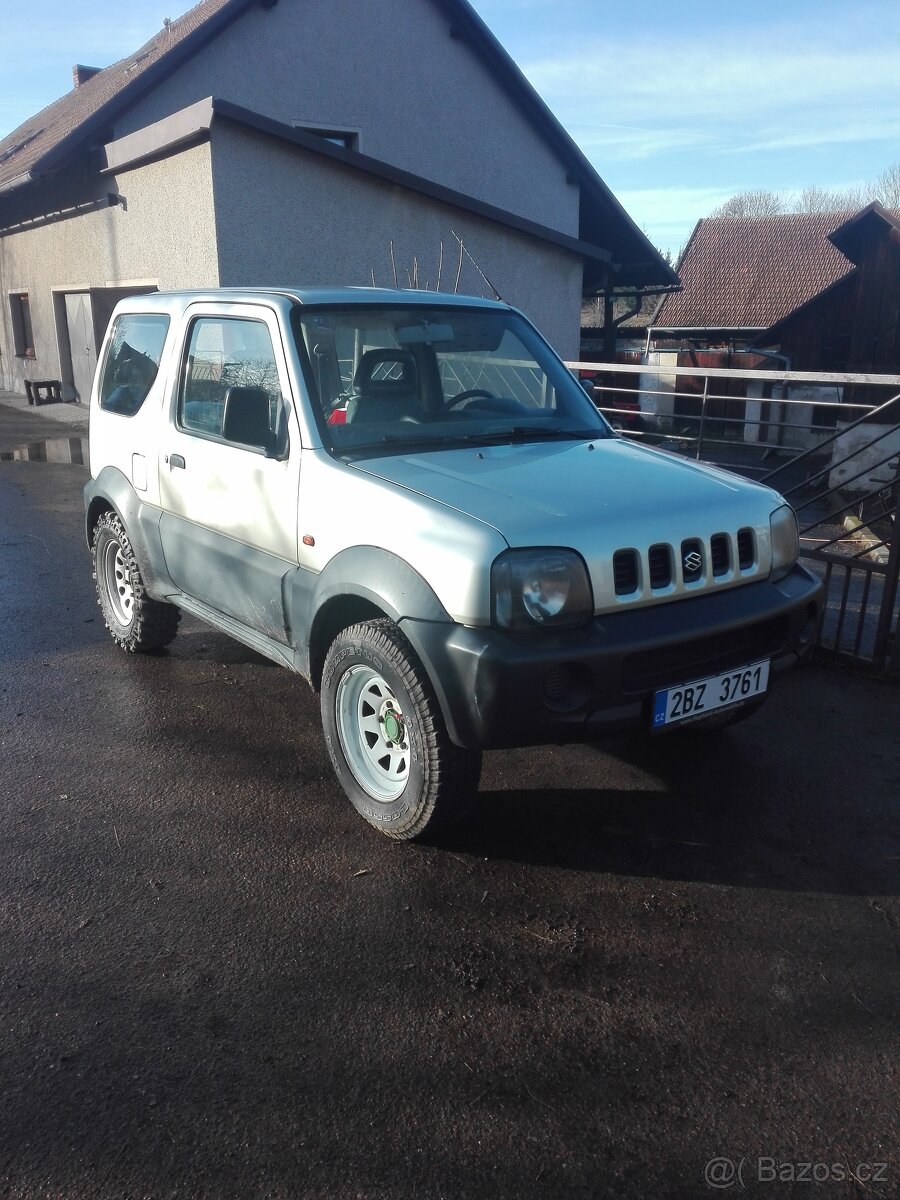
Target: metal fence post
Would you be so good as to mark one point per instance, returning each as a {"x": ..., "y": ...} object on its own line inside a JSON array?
[{"x": 699, "y": 453}]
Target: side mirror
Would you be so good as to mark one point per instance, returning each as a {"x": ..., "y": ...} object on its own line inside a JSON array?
[
  {"x": 246, "y": 418},
  {"x": 588, "y": 385}
]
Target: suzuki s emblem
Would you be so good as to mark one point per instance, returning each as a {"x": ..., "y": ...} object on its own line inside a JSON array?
[{"x": 692, "y": 562}]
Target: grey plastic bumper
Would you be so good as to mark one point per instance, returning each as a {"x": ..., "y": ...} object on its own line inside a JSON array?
[{"x": 498, "y": 689}]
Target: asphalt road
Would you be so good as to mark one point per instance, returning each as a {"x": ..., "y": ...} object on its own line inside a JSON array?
[{"x": 216, "y": 981}]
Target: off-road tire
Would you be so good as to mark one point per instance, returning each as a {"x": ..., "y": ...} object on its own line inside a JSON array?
[
  {"x": 137, "y": 623},
  {"x": 441, "y": 778}
]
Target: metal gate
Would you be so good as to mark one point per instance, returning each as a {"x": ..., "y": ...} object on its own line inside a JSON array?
[{"x": 857, "y": 552}]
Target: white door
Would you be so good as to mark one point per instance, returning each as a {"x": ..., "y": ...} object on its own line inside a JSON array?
[
  {"x": 229, "y": 520},
  {"x": 79, "y": 319}
]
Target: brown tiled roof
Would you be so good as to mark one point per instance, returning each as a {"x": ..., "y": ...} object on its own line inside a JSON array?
[
  {"x": 28, "y": 147},
  {"x": 750, "y": 272}
]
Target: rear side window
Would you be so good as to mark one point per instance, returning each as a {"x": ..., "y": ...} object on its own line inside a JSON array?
[{"x": 132, "y": 361}]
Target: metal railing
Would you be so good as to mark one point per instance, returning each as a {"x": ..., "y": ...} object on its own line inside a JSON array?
[{"x": 837, "y": 463}]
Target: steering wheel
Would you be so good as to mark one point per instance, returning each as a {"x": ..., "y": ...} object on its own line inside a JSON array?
[{"x": 470, "y": 395}]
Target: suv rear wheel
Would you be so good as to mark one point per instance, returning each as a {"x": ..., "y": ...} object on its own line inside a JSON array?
[
  {"x": 136, "y": 622},
  {"x": 386, "y": 735}
]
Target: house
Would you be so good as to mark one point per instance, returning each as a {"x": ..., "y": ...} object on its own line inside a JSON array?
[
  {"x": 798, "y": 291},
  {"x": 299, "y": 141},
  {"x": 853, "y": 323}
]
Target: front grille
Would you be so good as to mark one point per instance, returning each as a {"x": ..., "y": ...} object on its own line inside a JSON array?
[
  {"x": 650, "y": 669},
  {"x": 625, "y": 572},
  {"x": 745, "y": 542},
  {"x": 691, "y": 560},
  {"x": 660, "y": 566},
  {"x": 721, "y": 556},
  {"x": 640, "y": 574}
]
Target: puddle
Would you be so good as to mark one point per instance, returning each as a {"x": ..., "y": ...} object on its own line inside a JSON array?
[{"x": 53, "y": 450}]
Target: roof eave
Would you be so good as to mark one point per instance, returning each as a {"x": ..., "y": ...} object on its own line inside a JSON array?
[
  {"x": 192, "y": 124},
  {"x": 268, "y": 126},
  {"x": 774, "y": 331}
]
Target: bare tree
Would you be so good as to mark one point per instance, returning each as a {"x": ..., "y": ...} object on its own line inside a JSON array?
[
  {"x": 818, "y": 199},
  {"x": 754, "y": 203},
  {"x": 814, "y": 198},
  {"x": 886, "y": 188}
]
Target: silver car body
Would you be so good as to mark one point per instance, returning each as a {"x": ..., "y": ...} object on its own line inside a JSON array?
[{"x": 287, "y": 541}]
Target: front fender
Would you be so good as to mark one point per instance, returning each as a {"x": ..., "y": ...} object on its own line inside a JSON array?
[{"x": 361, "y": 580}]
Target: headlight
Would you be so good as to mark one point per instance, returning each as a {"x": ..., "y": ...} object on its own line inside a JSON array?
[
  {"x": 785, "y": 541},
  {"x": 547, "y": 588}
]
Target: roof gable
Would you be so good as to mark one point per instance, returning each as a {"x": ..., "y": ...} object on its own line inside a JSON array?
[
  {"x": 849, "y": 237},
  {"x": 86, "y": 113}
]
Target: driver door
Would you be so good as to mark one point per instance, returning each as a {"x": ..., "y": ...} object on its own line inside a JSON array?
[{"x": 229, "y": 519}]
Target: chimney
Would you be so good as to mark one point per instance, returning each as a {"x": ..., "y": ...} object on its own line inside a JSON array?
[{"x": 81, "y": 74}]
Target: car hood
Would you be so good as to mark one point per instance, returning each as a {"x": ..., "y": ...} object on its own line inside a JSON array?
[{"x": 553, "y": 493}]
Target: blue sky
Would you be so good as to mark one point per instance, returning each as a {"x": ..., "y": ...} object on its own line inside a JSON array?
[{"x": 678, "y": 106}]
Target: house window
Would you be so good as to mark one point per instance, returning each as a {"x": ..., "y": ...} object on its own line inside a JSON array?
[
  {"x": 23, "y": 337},
  {"x": 346, "y": 139}
]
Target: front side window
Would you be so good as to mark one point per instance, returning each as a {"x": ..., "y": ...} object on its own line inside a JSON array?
[
  {"x": 229, "y": 385},
  {"x": 385, "y": 379},
  {"x": 23, "y": 336},
  {"x": 132, "y": 361}
]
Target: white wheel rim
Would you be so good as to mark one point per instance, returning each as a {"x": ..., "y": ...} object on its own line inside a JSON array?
[
  {"x": 373, "y": 733},
  {"x": 117, "y": 579}
]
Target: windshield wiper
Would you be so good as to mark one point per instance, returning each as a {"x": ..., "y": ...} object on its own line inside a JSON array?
[
  {"x": 525, "y": 433},
  {"x": 516, "y": 433},
  {"x": 399, "y": 443}
]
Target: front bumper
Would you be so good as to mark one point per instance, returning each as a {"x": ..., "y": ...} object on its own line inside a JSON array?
[{"x": 498, "y": 689}]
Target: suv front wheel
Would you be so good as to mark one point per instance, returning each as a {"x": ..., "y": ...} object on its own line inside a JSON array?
[{"x": 386, "y": 735}]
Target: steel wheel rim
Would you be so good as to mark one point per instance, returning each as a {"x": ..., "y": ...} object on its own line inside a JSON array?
[
  {"x": 117, "y": 579},
  {"x": 373, "y": 733}
]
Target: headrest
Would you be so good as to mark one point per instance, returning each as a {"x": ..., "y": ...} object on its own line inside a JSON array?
[{"x": 397, "y": 373}]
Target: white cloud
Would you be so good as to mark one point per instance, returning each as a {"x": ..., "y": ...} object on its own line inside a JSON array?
[
  {"x": 77, "y": 37},
  {"x": 668, "y": 214},
  {"x": 725, "y": 96}
]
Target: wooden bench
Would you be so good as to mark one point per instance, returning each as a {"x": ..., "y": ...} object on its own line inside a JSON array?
[{"x": 43, "y": 391}]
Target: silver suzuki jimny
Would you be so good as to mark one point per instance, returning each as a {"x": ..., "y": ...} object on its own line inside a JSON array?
[{"x": 407, "y": 498}]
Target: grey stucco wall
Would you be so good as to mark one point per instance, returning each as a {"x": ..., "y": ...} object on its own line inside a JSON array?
[
  {"x": 390, "y": 69},
  {"x": 316, "y": 223},
  {"x": 166, "y": 234}
]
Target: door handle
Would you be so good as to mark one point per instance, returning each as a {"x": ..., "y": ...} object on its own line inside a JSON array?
[{"x": 175, "y": 460}]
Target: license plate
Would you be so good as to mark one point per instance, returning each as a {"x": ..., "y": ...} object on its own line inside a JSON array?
[{"x": 691, "y": 700}]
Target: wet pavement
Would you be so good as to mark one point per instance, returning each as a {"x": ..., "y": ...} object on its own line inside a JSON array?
[
  {"x": 51, "y": 450},
  {"x": 216, "y": 981}
]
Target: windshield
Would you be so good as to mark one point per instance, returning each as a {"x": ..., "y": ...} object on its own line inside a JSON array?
[{"x": 389, "y": 379}]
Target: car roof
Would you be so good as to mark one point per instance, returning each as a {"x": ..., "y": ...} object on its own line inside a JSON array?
[{"x": 343, "y": 296}]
